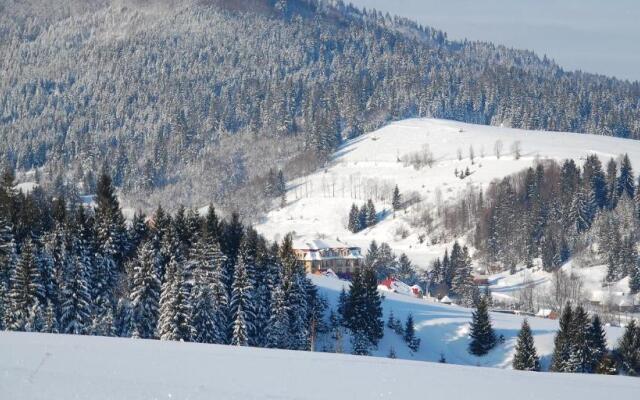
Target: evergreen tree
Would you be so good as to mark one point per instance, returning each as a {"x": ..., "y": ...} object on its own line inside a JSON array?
[
  {"x": 626, "y": 180},
  {"x": 634, "y": 277},
  {"x": 597, "y": 344},
  {"x": 50, "y": 320},
  {"x": 145, "y": 292},
  {"x": 580, "y": 352},
  {"x": 410, "y": 334},
  {"x": 354, "y": 222},
  {"x": 277, "y": 331},
  {"x": 396, "y": 201},
  {"x": 526, "y": 357},
  {"x": 562, "y": 342},
  {"x": 612, "y": 184},
  {"x": 483, "y": 338},
  {"x": 8, "y": 255},
  {"x": 362, "y": 218},
  {"x": 628, "y": 350},
  {"x": 76, "y": 302},
  {"x": 241, "y": 305},
  {"x": 174, "y": 322},
  {"x": 342, "y": 305},
  {"x": 26, "y": 287},
  {"x": 372, "y": 217}
]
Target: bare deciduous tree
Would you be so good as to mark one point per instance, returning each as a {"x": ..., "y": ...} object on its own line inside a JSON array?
[{"x": 497, "y": 148}]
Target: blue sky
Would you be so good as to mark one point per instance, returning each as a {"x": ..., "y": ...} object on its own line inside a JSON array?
[{"x": 600, "y": 36}]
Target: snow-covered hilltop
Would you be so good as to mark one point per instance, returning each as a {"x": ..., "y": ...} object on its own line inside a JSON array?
[
  {"x": 371, "y": 165},
  {"x": 433, "y": 163}
]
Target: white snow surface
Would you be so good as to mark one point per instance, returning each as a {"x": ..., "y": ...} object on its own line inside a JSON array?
[
  {"x": 318, "y": 204},
  {"x": 38, "y": 366}
]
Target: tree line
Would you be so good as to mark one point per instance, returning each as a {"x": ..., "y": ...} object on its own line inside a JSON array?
[
  {"x": 554, "y": 211},
  {"x": 75, "y": 269}
]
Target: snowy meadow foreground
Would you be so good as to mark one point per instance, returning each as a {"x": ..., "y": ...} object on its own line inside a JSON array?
[{"x": 44, "y": 366}]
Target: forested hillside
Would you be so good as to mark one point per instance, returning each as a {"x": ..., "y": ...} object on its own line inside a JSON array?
[{"x": 195, "y": 101}]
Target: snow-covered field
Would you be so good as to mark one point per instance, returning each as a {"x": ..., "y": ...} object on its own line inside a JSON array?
[
  {"x": 44, "y": 366},
  {"x": 60, "y": 367},
  {"x": 444, "y": 330},
  {"x": 369, "y": 167}
]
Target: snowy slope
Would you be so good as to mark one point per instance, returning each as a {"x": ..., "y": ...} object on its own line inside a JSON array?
[
  {"x": 444, "y": 330},
  {"x": 61, "y": 367},
  {"x": 368, "y": 167}
]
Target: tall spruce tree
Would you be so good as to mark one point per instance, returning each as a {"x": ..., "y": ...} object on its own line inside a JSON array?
[
  {"x": 526, "y": 357},
  {"x": 241, "y": 305},
  {"x": 626, "y": 181},
  {"x": 580, "y": 352},
  {"x": 396, "y": 201},
  {"x": 562, "y": 342},
  {"x": 174, "y": 321},
  {"x": 145, "y": 292},
  {"x": 354, "y": 221},
  {"x": 277, "y": 331},
  {"x": 76, "y": 302},
  {"x": 597, "y": 344},
  {"x": 26, "y": 287},
  {"x": 628, "y": 350},
  {"x": 483, "y": 338}
]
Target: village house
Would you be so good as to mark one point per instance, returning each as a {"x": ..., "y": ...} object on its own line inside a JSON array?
[{"x": 320, "y": 255}]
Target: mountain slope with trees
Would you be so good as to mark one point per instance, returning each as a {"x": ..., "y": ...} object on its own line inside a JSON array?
[{"x": 177, "y": 96}]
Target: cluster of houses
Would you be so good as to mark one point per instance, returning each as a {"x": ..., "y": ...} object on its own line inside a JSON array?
[{"x": 327, "y": 256}]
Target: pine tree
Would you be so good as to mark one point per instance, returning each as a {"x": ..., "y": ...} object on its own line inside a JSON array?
[
  {"x": 628, "y": 350},
  {"x": 626, "y": 183},
  {"x": 562, "y": 342},
  {"x": 342, "y": 305},
  {"x": 483, "y": 338},
  {"x": 50, "y": 320},
  {"x": 362, "y": 218},
  {"x": 174, "y": 322},
  {"x": 396, "y": 201},
  {"x": 241, "y": 305},
  {"x": 76, "y": 302},
  {"x": 277, "y": 331},
  {"x": 4, "y": 306},
  {"x": 372, "y": 217},
  {"x": 145, "y": 292},
  {"x": 360, "y": 344},
  {"x": 354, "y": 222},
  {"x": 597, "y": 344},
  {"x": 410, "y": 335},
  {"x": 8, "y": 256},
  {"x": 634, "y": 277},
  {"x": 26, "y": 287},
  {"x": 123, "y": 324},
  {"x": 526, "y": 357},
  {"x": 612, "y": 184},
  {"x": 580, "y": 353}
]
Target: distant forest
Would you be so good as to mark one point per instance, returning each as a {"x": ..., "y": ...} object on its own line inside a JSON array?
[{"x": 195, "y": 101}]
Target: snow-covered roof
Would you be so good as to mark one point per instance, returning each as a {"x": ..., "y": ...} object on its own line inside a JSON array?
[
  {"x": 445, "y": 299},
  {"x": 320, "y": 244},
  {"x": 544, "y": 312}
]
